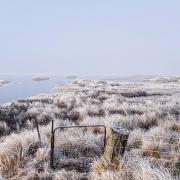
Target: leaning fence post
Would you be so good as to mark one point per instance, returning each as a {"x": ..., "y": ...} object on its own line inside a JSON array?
[
  {"x": 39, "y": 135},
  {"x": 115, "y": 147},
  {"x": 36, "y": 124},
  {"x": 116, "y": 144}
]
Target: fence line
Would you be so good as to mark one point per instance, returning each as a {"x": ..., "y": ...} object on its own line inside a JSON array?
[{"x": 79, "y": 153}]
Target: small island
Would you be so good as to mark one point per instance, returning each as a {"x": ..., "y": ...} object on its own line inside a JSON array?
[
  {"x": 40, "y": 78},
  {"x": 2, "y": 82},
  {"x": 72, "y": 77}
]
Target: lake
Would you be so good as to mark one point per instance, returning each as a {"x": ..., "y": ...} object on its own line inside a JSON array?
[{"x": 23, "y": 86}]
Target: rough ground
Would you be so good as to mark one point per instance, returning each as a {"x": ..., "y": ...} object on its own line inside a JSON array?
[{"x": 149, "y": 109}]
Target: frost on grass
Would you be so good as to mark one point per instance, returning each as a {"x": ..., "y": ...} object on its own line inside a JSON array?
[{"x": 149, "y": 109}]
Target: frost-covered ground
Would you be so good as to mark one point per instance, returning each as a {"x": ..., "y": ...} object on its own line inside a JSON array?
[{"x": 149, "y": 109}]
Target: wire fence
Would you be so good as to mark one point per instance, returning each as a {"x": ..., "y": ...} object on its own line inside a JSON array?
[
  {"x": 77, "y": 155},
  {"x": 79, "y": 152}
]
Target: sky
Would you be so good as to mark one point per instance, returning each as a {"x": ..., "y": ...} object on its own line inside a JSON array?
[{"x": 90, "y": 37}]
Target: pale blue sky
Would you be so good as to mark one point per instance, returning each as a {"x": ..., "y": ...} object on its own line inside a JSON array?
[{"x": 90, "y": 37}]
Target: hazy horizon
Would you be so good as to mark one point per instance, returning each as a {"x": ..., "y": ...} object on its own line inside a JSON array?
[{"x": 90, "y": 38}]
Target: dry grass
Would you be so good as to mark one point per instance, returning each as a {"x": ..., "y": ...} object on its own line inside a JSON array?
[{"x": 149, "y": 109}]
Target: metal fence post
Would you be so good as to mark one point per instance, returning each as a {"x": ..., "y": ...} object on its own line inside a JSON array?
[{"x": 52, "y": 145}]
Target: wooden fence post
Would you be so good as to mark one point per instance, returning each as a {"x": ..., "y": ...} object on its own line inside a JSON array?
[{"x": 116, "y": 144}]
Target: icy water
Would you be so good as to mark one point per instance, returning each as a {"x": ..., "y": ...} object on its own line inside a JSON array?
[{"x": 24, "y": 86}]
